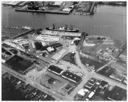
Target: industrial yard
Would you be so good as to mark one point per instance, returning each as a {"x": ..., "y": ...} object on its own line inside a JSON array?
[
  {"x": 51, "y": 74},
  {"x": 57, "y": 7}
]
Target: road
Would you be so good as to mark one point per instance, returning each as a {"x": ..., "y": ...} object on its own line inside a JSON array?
[
  {"x": 89, "y": 75},
  {"x": 79, "y": 63},
  {"x": 80, "y": 86},
  {"x": 110, "y": 81}
]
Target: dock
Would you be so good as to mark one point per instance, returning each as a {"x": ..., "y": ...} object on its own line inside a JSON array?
[
  {"x": 55, "y": 33},
  {"x": 85, "y": 8},
  {"x": 91, "y": 11},
  {"x": 22, "y": 34},
  {"x": 12, "y": 3},
  {"x": 45, "y": 11}
]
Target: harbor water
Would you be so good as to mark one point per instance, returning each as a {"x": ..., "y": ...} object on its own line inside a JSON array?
[{"x": 107, "y": 20}]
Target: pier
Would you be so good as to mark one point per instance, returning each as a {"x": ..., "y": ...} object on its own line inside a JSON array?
[
  {"x": 49, "y": 32},
  {"x": 41, "y": 11},
  {"x": 22, "y": 34},
  {"x": 92, "y": 8}
]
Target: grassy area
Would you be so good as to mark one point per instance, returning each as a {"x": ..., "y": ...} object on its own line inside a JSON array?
[
  {"x": 69, "y": 58},
  {"x": 91, "y": 62}
]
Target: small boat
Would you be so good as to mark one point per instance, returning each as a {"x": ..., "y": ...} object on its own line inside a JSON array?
[
  {"x": 64, "y": 28},
  {"x": 27, "y": 27}
]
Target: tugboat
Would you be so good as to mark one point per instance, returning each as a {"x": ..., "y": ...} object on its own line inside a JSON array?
[{"x": 64, "y": 28}]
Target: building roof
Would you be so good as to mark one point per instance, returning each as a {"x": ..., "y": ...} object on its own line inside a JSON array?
[
  {"x": 56, "y": 45},
  {"x": 82, "y": 92},
  {"x": 19, "y": 64},
  {"x": 75, "y": 78},
  {"x": 47, "y": 38},
  {"x": 55, "y": 69},
  {"x": 48, "y": 32},
  {"x": 58, "y": 3}
]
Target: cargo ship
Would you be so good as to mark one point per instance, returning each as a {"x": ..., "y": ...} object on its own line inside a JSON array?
[{"x": 63, "y": 28}]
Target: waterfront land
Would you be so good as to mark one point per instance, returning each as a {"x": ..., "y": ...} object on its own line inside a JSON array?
[
  {"x": 57, "y": 7},
  {"x": 65, "y": 68}
]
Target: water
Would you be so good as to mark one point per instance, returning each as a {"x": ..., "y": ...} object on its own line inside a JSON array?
[{"x": 108, "y": 20}]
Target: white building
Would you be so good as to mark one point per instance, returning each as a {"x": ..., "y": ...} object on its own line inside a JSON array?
[{"x": 47, "y": 38}]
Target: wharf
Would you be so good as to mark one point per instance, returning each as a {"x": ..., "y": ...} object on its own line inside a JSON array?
[
  {"x": 85, "y": 8},
  {"x": 22, "y": 34},
  {"x": 41, "y": 11},
  {"x": 49, "y": 32},
  {"x": 12, "y": 3}
]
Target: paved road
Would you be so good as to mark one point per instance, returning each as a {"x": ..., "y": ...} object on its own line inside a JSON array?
[
  {"x": 101, "y": 68},
  {"x": 80, "y": 86},
  {"x": 79, "y": 63},
  {"x": 110, "y": 81},
  {"x": 97, "y": 76},
  {"x": 88, "y": 75}
]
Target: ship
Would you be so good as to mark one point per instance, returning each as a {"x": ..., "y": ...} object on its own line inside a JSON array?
[{"x": 63, "y": 28}]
